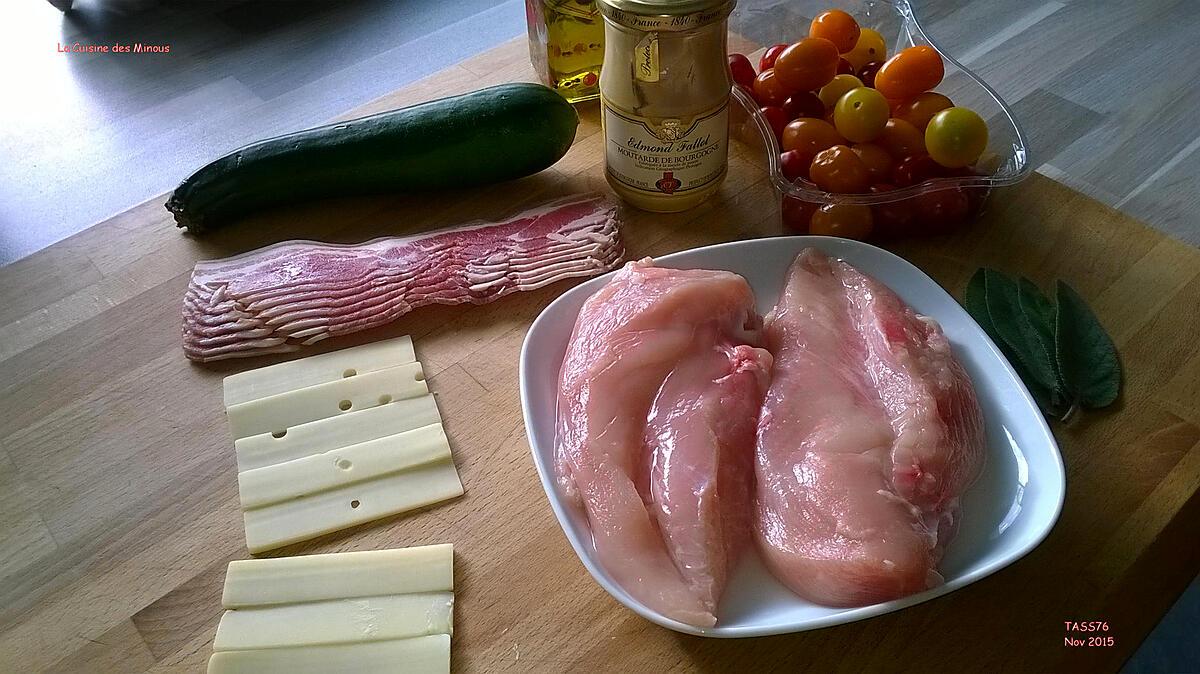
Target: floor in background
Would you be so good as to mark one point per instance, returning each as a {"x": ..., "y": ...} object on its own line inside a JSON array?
[{"x": 1102, "y": 88}]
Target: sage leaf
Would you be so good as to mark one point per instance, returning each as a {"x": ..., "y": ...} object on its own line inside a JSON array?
[
  {"x": 1087, "y": 358},
  {"x": 1048, "y": 399},
  {"x": 1017, "y": 329}
]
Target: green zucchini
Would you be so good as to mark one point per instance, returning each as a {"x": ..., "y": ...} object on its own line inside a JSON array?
[{"x": 487, "y": 136}]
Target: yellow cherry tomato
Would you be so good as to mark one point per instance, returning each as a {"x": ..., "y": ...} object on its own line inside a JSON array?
[
  {"x": 955, "y": 137},
  {"x": 860, "y": 114},
  {"x": 830, "y": 93},
  {"x": 870, "y": 47}
]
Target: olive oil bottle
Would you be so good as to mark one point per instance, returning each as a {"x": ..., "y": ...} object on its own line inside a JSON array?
[{"x": 566, "y": 46}]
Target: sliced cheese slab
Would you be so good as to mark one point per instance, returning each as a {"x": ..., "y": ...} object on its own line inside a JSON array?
[
  {"x": 364, "y": 461},
  {"x": 323, "y": 435},
  {"x": 303, "y": 518},
  {"x": 418, "y": 655},
  {"x": 336, "y": 621},
  {"x": 327, "y": 367},
  {"x": 279, "y": 412},
  {"x": 288, "y": 580}
]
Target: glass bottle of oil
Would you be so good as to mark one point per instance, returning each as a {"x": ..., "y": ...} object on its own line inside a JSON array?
[{"x": 566, "y": 45}]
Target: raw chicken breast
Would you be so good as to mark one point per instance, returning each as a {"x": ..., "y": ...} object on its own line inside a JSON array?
[
  {"x": 657, "y": 401},
  {"x": 869, "y": 432}
]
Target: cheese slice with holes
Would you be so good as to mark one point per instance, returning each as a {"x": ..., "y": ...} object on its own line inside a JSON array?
[
  {"x": 416, "y": 655},
  {"x": 343, "y": 430},
  {"x": 299, "y": 519},
  {"x": 339, "y": 575},
  {"x": 297, "y": 374},
  {"x": 336, "y": 621},
  {"x": 356, "y": 463},
  {"x": 279, "y": 412}
]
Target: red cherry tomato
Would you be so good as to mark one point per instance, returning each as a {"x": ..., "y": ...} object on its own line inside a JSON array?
[
  {"x": 943, "y": 210},
  {"x": 915, "y": 169},
  {"x": 877, "y": 160},
  {"x": 776, "y": 117},
  {"x": 838, "y": 169},
  {"x": 868, "y": 71},
  {"x": 794, "y": 164},
  {"x": 768, "y": 90},
  {"x": 894, "y": 218},
  {"x": 796, "y": 214},
  {"x": 838, "y": 27},
  {"x": 910, "y": 72},
  {"x": 844, "y": 67},
  {"x": 804, "y": 104},
  {"x": 768, "y": 58},
  {"x": 810, "y": 135},
  {"x": 848, "y": 221},
  {"x": 741, "y": 70},
  {"x": 807, "y": 65},
  {"x": 901, "y": 139}
]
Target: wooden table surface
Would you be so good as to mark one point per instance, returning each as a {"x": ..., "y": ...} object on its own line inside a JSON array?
[{"x": 118, "y": 492}]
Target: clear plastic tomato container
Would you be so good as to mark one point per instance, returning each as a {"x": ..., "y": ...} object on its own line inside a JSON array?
[{"x": 755, "y": 26}]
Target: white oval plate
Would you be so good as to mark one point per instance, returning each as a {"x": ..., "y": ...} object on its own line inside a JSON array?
[{"x": 1005, "y": 514}]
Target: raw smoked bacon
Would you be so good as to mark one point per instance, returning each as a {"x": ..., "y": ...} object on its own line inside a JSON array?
[{"x": 294, "y": 293}]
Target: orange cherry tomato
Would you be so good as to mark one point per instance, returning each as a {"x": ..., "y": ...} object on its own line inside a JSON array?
[
  {"x": 810, "y": 135},
  {"x": 877, "y": 160},
  {"x": 901, "y": 139},
  {"x": 849, "y": 221},
  {"x": 768, "y": 91},
  {"x": 838, "y": 169},
  {"x": 861, "y": 114},
  {"x": 838, "y": 27},
  {"x": 870, "y": 47},
  {"x": 807, "y": 65},
  {"x": 921, "y": 108},
  {"x": 910, "y": 72}
]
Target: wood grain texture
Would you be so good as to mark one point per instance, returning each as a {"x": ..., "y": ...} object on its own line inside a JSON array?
[{"x": 118, "y": 497}]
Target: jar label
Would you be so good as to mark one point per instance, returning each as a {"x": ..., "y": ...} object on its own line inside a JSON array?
[
  {"x": 666, "y": 156},
  {"x": 646, "y": 57}
]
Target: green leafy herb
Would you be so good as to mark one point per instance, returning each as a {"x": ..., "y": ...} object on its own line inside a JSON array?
[
  {"x": 1060, "y": 351},
  {"x": 1087, "y": 358}
]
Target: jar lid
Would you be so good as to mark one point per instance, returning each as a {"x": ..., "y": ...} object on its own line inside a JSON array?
[{"x": 665, "y": 14}]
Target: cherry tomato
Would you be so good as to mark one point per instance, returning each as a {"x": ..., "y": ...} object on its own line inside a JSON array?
[
  {"x": 943, "y": 210},
  {"x": 844, "y": 67},
  {"x": 956, "y": 137},
  {"x": 810, "y": 135},
  {"x": 796, "y": 214},
  {"x": 910, "y": 72},
  {"x": 838, "y": 169},
  {"x": 870, "y": 47},
  {"x": 776, "y": 119},
  {"x": 768, "y": 90},
  {"x": 901, "y": 139},
  {"x": 879, "y": 163},
  {"x": 794, "y": 164},
  {"x": 921, "y": 108},
  {"x": 840, "y": 84},
  {"x": 807, "y": 65},
  {"x": 894, "y": 218},
  {"x": 848, "y": 221},
  {"x": 838, "y": 27},
  {"x": 861, "y": 114},
  {"x": 867, "y": 73},
  {"x": 768, "y": 58},
  {"x": 915, "y": 169},
  {"x": 804, "y": 104},
  {"x": 740, "y": 70}
]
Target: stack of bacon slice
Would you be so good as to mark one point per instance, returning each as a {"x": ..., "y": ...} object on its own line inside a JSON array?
[{"x": 290, "y": 294}]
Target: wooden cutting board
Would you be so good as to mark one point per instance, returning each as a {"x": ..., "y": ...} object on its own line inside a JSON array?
[{"x": 118, "y": 488}]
